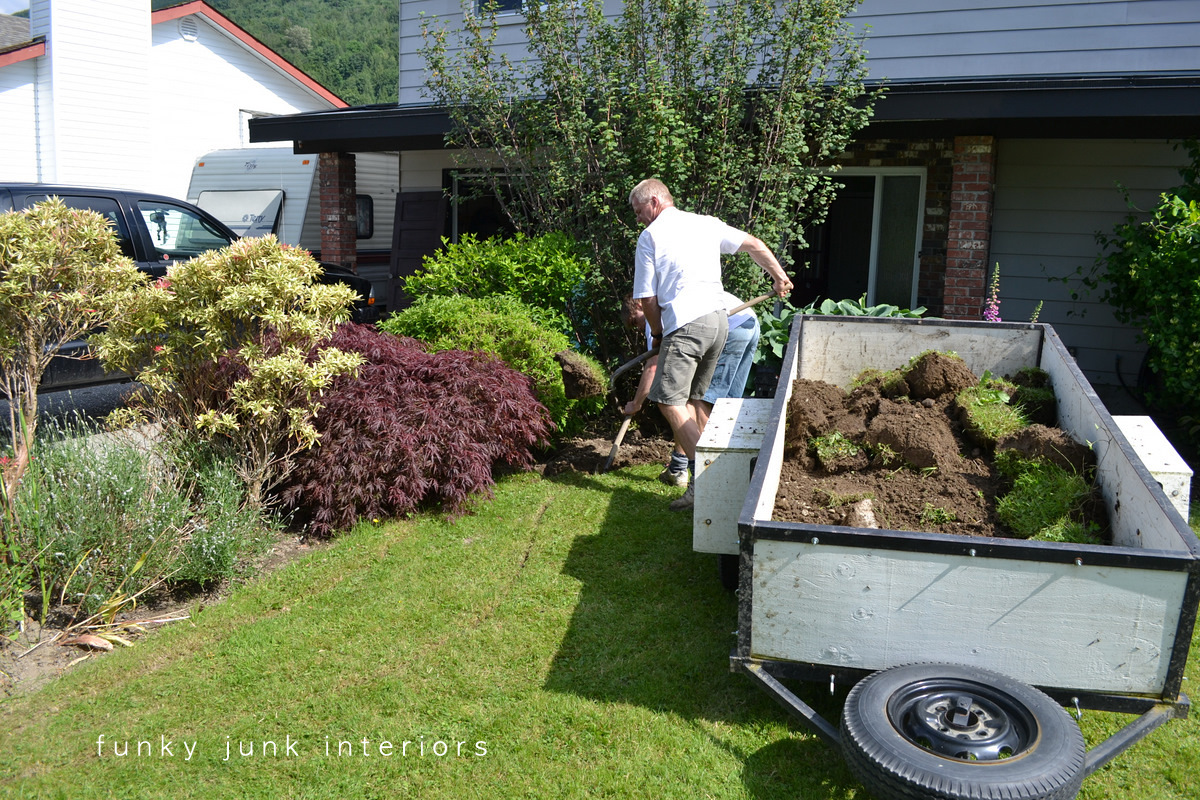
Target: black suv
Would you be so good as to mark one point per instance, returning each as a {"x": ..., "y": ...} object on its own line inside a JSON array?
[{"x": 155, "y": 232}]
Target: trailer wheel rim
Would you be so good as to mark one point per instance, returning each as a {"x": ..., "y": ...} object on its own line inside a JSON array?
[{"x": 963, "y": 720}]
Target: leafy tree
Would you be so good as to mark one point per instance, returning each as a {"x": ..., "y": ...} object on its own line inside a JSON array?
[
  {"x": 740, "y": 110},
  {"x": 221, "y": 345},
  {"x": 61, "y": 275},
  {"x": 1149, "y": 273}
]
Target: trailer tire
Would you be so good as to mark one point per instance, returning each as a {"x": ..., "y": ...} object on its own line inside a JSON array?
[
  {"x": 901, "y": 726},
  {"x": 727, "y": 568}
]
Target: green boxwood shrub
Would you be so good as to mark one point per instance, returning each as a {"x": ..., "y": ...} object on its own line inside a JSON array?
[
  {"x": 507, "y": 328},
  {"x": 543, "y": 272}
]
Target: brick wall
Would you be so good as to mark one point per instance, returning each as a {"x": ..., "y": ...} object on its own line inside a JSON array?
[
  {"x": 339, "y": 223},
  {"x": 956, "y": 233},
  {"x": 970, "y": 226},
  {"x": 936, "y": 156}
]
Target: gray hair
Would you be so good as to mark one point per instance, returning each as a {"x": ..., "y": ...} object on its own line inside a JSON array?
[{"x": 651, "y": 187}]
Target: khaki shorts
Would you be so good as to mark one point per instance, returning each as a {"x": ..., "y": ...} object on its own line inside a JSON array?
[{"x": 687, "y": 359}]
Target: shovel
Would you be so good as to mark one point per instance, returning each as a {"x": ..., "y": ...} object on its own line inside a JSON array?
[
  {"x": 633, "y": 362},
  {"x": 638, "y": 360}
]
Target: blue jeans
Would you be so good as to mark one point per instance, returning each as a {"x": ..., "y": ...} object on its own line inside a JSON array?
[{"x": 733, "y": 367}]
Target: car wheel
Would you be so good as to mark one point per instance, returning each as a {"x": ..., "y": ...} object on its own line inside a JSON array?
[{"x": 952, "y": 731}]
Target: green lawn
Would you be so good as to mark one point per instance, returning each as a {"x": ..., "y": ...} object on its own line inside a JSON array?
[{"x": 566, "y": 635}]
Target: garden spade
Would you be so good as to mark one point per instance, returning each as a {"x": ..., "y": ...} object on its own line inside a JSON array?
[{"x": 638, "y": 360}]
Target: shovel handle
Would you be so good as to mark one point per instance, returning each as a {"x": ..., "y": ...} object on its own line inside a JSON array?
[
  {"x": 633, "y": 362},
  {"x": 612, "y": 454}
]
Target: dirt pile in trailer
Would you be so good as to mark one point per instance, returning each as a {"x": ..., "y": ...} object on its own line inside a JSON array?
[{"x": 933, "y": 477}]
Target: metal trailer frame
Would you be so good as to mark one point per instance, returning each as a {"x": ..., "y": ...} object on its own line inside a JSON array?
[{"x": 1182, "y": 561}]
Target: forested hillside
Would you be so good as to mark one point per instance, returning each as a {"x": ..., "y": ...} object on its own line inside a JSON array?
[{"x": 350, "y": 46}]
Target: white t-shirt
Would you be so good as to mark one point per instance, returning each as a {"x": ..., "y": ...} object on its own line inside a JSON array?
[
  {"x": 678, "y": 260},
  {"x": 733, "y": 301}
]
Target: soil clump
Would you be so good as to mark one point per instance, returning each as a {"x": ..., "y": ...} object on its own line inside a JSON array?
[{"x": 905, "y": 450}]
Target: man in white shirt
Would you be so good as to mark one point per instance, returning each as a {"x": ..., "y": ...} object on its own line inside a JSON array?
[{"x": 677, "y": 277}]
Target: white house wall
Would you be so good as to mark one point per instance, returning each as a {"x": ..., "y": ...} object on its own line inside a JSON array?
[
  {"x": 200, "y": 93},
  {"x": 1052, "y": 197},
  {"x": 96, "y": 63},
  {"x": 117, "y": 101},
  {"x": 18, "y": 131},
  {"x": 421, "y": 170}
]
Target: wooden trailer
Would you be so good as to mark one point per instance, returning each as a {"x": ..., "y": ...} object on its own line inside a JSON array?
[{"x": 944, "y": 638}]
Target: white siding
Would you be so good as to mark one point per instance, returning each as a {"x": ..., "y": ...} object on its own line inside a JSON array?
[
  {"x": 199, "y": 90},
  {"x": 950, "y": 39},
  {"x": 119, "y": 102},
  {"x": 97, "y": 64},
  {"x": 1052, "y": 197},
  {"x": 421, "y": 170},
  {"x": 18, "y": 131}
]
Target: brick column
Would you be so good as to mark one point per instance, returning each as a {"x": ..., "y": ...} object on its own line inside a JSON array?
[
  {"x": 339, "y": 223},
  {"x": 969, "y": 227}
]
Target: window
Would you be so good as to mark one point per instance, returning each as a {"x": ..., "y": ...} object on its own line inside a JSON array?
[
  {"x": 177, "y": 232},
  {"x": 247, "y": 212},
  {"x": 107, "y": 208},
  {"x": 502, "y": 6},
  {"x": 474, "y": 208},
  {"x": 364, "y": 214},
  {"x": 870, "y": 241}
]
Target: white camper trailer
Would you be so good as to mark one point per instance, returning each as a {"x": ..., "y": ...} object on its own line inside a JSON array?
[{"x": 261, "y": 190}]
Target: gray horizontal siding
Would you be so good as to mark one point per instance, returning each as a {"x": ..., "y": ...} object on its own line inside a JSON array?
[
  {"x": 1052, "y": 197},
  {"x": 942, "y": 39}
]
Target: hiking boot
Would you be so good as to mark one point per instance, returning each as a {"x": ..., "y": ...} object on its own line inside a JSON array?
[
  {"x": 687, "y": 502},
  {"x": 673, "y": 478}
]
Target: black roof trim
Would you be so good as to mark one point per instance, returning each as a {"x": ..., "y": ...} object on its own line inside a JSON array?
[
  {"x": 361, "y": 128},
  {"x": 1157, "y": 106},
  {"x": 1047, "y": 98}
]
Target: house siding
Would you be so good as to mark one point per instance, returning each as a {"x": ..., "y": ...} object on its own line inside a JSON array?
[
  {"x": 18, "y": 128},
  {"x": 124, "y": 99},
  {"x": 1052, "y": 197},
  {"x": 97, "y": 65},
  {"x": 213, "y": 73},
  {"x": 923, "y": 40},
  {"x": 939, "y": 40},
  {"x": 510, "y": 37}
]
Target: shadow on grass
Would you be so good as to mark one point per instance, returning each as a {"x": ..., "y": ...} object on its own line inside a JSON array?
[{"x": 654, "y": 628}]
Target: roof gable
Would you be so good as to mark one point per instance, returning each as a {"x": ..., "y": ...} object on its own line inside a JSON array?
[
  {"x": 24, "y": 49},
  {"x": 247, "y": 41}
]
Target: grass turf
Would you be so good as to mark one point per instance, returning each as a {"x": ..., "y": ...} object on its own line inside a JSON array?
[{"x": 563, "y": 642}]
